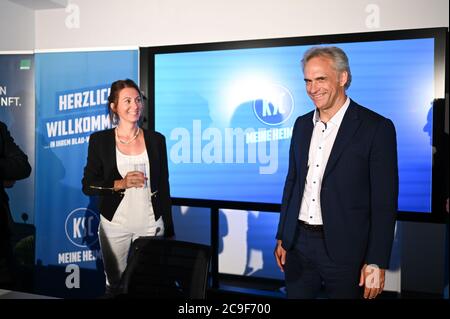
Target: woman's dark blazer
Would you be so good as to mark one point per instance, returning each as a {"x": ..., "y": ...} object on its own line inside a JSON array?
[{"x": 101, "y": 171}]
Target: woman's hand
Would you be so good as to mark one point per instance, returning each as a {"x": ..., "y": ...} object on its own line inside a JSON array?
[{"x": 132, "y": 179}]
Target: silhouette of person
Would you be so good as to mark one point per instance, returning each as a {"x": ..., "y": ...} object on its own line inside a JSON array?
[
  {"x": 439, "y": 140},
  {"x": 14, "y": 166},
  {"x": 434, "y": 127}
]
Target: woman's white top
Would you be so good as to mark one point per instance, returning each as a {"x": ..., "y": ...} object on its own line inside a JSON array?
[{"x": 135, "y": 211}]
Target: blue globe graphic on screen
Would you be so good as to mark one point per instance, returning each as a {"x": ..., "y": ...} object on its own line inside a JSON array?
[
  {"x": 81, "y": 227},
  {"x": 275, "y": 106}
]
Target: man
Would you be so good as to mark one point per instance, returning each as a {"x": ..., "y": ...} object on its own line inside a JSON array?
[
  {"x": 13, "y": 166},
  {"x": 340, "y": 197}
]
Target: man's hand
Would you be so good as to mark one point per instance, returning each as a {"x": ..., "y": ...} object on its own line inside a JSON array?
[
  {"x": 372, "y": 278},
  {"x": 280, "y": 255}
]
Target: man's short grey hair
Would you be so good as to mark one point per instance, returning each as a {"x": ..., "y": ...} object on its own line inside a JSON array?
[{"x": 337, "y": 55}]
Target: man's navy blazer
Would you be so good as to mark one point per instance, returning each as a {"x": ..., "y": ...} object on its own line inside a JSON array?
[
  {"x": 101, "y": 171},
  {"x": 359, "y": 190}
]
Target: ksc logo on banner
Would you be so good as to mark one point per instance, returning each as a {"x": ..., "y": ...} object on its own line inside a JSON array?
[
  {"x": 275, "y": 107},
  {"x": 81, "y": 227}
]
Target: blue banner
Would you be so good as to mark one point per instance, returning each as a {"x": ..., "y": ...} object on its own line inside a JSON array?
[
  {"x": 17, "y": 112},
  {"x": 71, "y": 94}
]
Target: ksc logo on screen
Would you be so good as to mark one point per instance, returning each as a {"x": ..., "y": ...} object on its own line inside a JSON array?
[
  {"x": 81, "y": 227},
  {"x": 275, "y": 107}
]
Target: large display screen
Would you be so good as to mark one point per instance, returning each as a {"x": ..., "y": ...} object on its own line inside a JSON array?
[{"x": 227, "y": 110}]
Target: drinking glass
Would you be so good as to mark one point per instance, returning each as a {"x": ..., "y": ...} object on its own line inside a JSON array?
[{"x": 142, "y": 167}]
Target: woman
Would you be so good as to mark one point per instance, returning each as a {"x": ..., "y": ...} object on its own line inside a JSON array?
[{"x": 127, "y": 167}]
